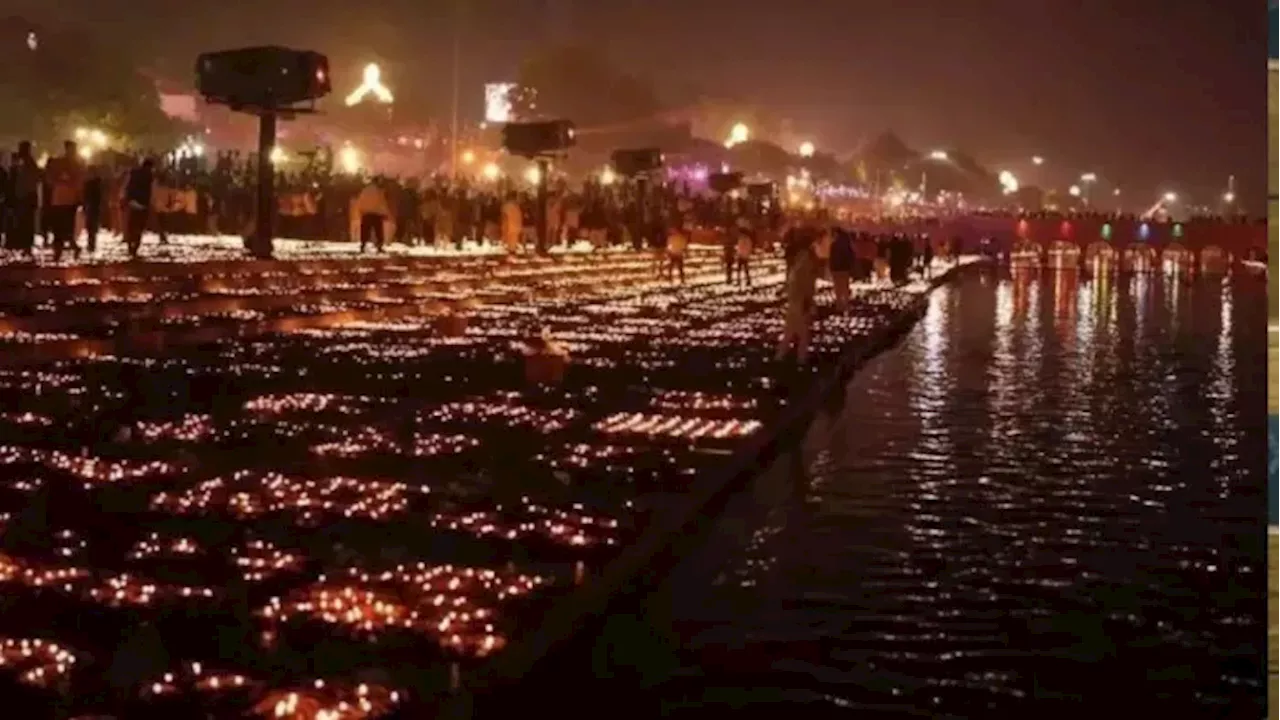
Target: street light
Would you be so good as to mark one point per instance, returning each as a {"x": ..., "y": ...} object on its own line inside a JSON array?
[
  {"x": 491, "y": 171},
  {"x": 1171, "y": 197},
  {"x": 468, "y": 157},
  {"x": 938, "y": 155},
  {"x": 1228, "y": 197},
  {"x": 738, "y": 134},
  {"x": 1089, "y": 177},
  {"x": 1074, "y": 191},
  {"x": 1037, "y": 160},
  {"x": 806, "y": 149},
  {"x": 607, "y": 176}
]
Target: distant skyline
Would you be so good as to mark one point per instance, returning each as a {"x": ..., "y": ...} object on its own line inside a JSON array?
[{"x": 1150, "y": 95}]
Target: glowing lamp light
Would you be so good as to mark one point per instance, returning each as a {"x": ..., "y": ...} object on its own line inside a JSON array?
[
  {"x": 1037, "y": 160},
  {"x": 349, "y": 160},
  {"x": 85, "y": 152},
  {"x": 1144, "y": 231},
  {"x": 1228, "y": 197},
  {"x": 1177, "y": 230},
  {"x": 1089, "y": 177},
  {"x": 939, "y": 155},
  {"x": 468, "y": 157},
  {"x": 533, "y": 175},
  {"x": 1074, "y": 191},
  {"x": 1008, "y": 182},
  {"x": 91, "y": 136},
  {"x": 608, "y": 176},
  {"x": 738, "y": 134},
  {"x": 1106, "y": 231},
  {"x": 807, "y": 149},
  {"x": 370, "y": 84},
  {"x": 491, "y": 171},
  {"x": 278, "y": 155},
  {"x": 1171, "y": 197}
]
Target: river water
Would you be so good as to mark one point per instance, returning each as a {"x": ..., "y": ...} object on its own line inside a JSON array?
[{"x": 1050, "y": 496}]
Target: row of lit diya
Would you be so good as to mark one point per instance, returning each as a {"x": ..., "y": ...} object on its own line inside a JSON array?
[
  {"x": 516, "y": 276},
  {"x": 247, "y": 495},
  {"x": 46, "y": 664},
  {"x": 455, "y": 607},
  {"x": 92, "y": 471}
]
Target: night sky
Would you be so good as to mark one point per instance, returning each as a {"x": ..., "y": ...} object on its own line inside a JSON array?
[{"x": 1149, "y": 94}]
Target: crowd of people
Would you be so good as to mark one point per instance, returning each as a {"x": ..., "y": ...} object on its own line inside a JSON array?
[{"x": 67, "y": 198}]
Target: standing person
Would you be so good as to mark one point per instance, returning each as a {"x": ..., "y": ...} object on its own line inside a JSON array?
[
  {"x": 370, "y": 212},
  {"x": 743, "y": 252},
  {"x": 841, "y": 264},
  {"x": 729, "y": 249},
  {"x": 65, "y": 176},
  {"x": 677, "y": 243},
  {"x": 162, "y": 200},
  {"x": 93, "y": 194},
  {"x": 801, "y": 286},
  {"x": 24, "y": 200},
  {"x": 512, "y": 223},
  {"x": 137, "y": 204}
]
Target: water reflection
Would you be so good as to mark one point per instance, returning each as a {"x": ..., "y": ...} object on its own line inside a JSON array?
[{"x": 1044, "y": 495}]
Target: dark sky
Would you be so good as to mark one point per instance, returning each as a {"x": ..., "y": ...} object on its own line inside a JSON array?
[{"x": 1149, "y": 94}]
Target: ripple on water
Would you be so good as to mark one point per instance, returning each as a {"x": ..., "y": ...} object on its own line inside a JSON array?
[{"x": 1045, "y": 494}]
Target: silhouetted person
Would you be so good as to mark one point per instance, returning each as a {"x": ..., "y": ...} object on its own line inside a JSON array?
[
  {"x": 93, "y": 192},
  {"x": 65, "y": 177},
  {"x": 24, "y": 199},
  {"x": 137, "y": 204}
]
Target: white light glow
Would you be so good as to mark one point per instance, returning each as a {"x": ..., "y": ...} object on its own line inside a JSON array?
[
  {"x": 370, "y": 84},
  {"x": 349, "y": 159}
]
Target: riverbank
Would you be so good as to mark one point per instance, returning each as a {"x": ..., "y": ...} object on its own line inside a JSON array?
[{"x": 564, "y": 653}]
